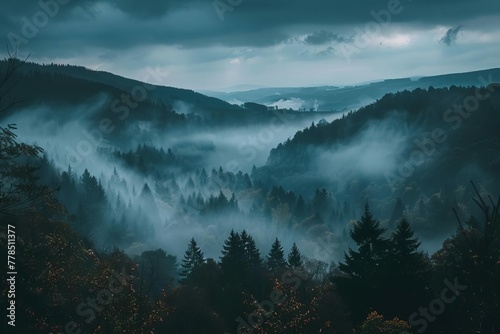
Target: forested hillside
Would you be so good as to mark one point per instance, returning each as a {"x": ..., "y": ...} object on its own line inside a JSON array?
[
  {"x": 341, "y": 231},
  {"x": 410, "y": 153}
]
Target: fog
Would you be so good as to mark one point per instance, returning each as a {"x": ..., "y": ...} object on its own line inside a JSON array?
[
  {"x": 369, "y": 154},
  {"x": 167, "y": 184},
  {"x": 69, "y": 141},
  {"x": 238, "y": 147}
]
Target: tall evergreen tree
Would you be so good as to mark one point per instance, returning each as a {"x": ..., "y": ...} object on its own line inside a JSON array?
[
  {"x": 294, "y": 257},
  {"x": 372, "y": 247},
  {"x": 146, "y": 192},
  {"x": 300, "y": 207},
  {"x": 232, "y": 204},
  {"x": 406, "y": 274},
  {"x": 147, "y": 203},
  {"x": 193, "y": 258},
  {"x": 115, "y": 177},
  {"x": 118, "y": 204},
  {"x": 362, "y": 275},
  {"x": 255, "y": 274},
  {"x": 404, "y": 245},
  {"x": 276, "y": 257},
  {"x": 251, "y": 253},
  {"x": 233, "y": 253},
  {"x": 321, "y": 201},
  {"x": 92, "y": 188}
]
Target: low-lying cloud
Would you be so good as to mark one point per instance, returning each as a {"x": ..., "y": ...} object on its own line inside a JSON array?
[
  {"x": 324, "y": 37},
  {"x": 451, "y": 35}
]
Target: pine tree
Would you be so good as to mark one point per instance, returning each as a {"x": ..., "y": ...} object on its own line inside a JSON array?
[
  {"x": 362, "y": 282},
  {"x": 232, "y": 257},
  {"x": 276, "y": 257},
  {"x": 203, "y": 177},
  {"x": 222, "y": 202},
  {"x": 147, "y": 201},
  {"x": 190, "y": 183},
  {"x": 252, "y": 254},
  {"x": 321, "y": 201},
  {"x": 247, "y": 182},
  {"x": 192, "y": 259},
  {"x": 146, "y": 192},
  {"x": 294, "y": 257},
  {"x": 407, "y": 272},
  {"x": 95, "y": 202},
  {"x": 300, "y": 207},
  {"x": 372, "y": 247},
  {"x": 233, "y": 204},
  {"x": 115, "y": 177},
  {"x": 100, "y": 193},
  {"x": 68, "y": 192},
  {"x": 404, "y": 246},
  {"x": 118, "y": 204},
  {"x": 88, "y": 183}
]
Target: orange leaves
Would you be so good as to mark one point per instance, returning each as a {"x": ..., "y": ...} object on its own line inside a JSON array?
[{"x": 376, "y": 324}]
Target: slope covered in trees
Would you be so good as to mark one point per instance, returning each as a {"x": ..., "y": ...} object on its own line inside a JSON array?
[
  {"x": 97, "y": 247},
  {"x": 409, "y": 153},
  {"x": 384, "y": 285}
]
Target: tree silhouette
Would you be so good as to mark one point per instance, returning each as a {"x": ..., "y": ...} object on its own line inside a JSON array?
[
  {"x": 193, "y": 258},
  {"x": 294, "y": 257},
  {"x": 321, "y": 201},
  {"x": 360, "y": 283},
  {"x": 158, "y": 269},
  {"x": 233, "y": 254},
  {"x": 19, "y": 186},
  {"x": 472, "y": 256},
  {"x": 276, "y": 256},
  {"x": 372, "y": 247},
  {"x": 251, "y": 253},
  {"x": 9, "y": 80},
  {"x": 406, "y": 274}
]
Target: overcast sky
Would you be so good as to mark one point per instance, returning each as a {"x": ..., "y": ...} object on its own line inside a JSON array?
[{"x": 206, "y": 44}]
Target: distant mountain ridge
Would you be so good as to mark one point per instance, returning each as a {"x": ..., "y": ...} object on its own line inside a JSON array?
[
  {"x": 346, "y": 98},
  {"x": 67, "y": 93},
  {"x": 164, "y": 94}
]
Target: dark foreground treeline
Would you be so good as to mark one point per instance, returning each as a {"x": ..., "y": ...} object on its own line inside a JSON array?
[{"x": 383, "y": 285}]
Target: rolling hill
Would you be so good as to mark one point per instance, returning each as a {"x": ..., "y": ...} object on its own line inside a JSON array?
[{"x": 346, "y": 98}]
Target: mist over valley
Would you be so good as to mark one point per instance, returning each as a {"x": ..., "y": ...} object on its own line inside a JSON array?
[{"x": 250, "y": 167}]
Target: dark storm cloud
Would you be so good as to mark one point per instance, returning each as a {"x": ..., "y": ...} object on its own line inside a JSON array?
[
  {"x": 324, "y": 37},
  {"x": 149, "y": 9},
  {"x": 24, "y": 7},
  {"x": 451, "y": 35},
  {"x": 282, "y": 11},
  {"x": 196, "y": 23}
]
